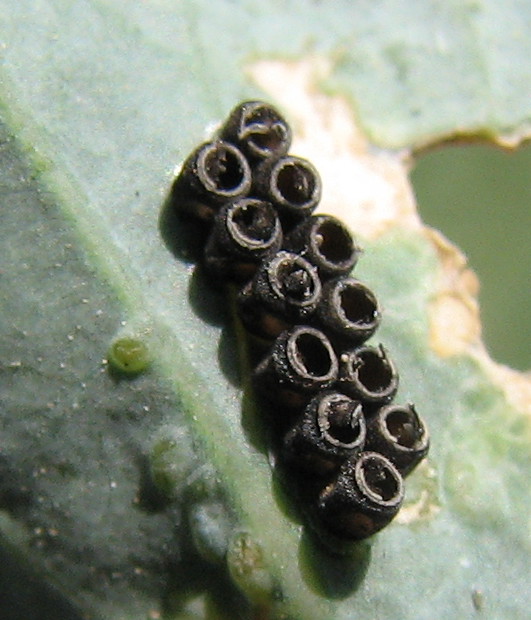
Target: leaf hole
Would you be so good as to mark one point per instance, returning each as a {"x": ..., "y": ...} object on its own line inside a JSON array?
[{"x": 479, "y": 197}]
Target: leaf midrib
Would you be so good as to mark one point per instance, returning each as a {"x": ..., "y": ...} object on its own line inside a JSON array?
[{"x": 279, "y": 538}]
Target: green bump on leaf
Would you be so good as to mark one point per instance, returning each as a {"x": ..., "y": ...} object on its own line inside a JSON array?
[
  {"x": 210, "y": 526},
  {"x": 129, "y": 355},
  {"x": 169, "y": 466},
  {"x": 246, "y": 566}
]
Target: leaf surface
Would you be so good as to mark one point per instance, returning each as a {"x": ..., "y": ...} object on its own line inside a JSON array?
[{"x": 99, "y": 102}]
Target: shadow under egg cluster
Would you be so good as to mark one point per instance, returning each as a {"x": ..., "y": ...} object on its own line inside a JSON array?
[{"x": 344, "y": 447}]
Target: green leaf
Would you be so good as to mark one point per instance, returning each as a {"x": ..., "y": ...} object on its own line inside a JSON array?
[{"x": 150, "y": 494}]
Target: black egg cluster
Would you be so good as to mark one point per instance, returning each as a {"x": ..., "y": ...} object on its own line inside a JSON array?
[{"x": 344, "y": 447}]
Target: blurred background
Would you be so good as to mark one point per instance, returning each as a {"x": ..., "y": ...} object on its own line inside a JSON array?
[{"x": 480, "y": 197}]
